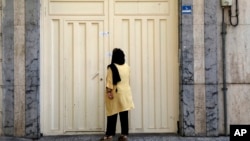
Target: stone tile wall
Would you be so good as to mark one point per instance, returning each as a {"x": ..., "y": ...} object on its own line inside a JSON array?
[
  {"x": 1, "y": 83},
  {"x": 202, "y": 110},
  {"x": 19, "y": 68},
  {"x": 8, "y": 67},
  {"x": 187, "y": 113},
  {"x": 199, "y": 65},
  {"x": 237, "y": 66},
  {"x": 21, "y": 44},
  {"x": 199, "y": 93}
]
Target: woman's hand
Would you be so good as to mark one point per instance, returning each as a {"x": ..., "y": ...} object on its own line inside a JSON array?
[{"x": 110, "y": 95}]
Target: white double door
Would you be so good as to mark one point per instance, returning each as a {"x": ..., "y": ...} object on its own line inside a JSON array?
[{"x": 78, "y": 37}]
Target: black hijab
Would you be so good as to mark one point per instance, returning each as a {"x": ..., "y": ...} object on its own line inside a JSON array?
[{"x": 118, "y": 57}]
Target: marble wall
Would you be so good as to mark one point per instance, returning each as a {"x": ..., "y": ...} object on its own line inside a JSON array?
[
  {"x": 32, "y": 68},
  {"x": 211, "y": 66},
  {"x": 237, "y": 66},
  {"x": 201, "y": 94},
  {"x": 1, "y": 83},
  {"x": 8, "y": 67},
  {"x": 19, "y": 68},
  {"x": 21, "y": 44},
  {"x": 199, "y": 65},
  {"x": 199, "y": 103},
  {"x": 187, "y": 112}
]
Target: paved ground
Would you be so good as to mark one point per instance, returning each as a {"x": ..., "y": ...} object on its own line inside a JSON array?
[{"x": 137, "y": 137}]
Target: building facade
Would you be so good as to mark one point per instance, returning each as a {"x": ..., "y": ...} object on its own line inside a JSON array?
[{"x": 208, "y": 63}]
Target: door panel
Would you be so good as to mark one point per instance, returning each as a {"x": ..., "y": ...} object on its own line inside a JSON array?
[
  {"x": 82, "y": 85},
  {"x": 74, "y": 73},
  {"x": 79, "y": 7},
  {"x": 146, "y": 31},
  {"x": 135, "y": 7}
]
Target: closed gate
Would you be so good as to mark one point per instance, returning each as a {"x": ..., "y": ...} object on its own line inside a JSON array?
[{"x": 78, "y": 37}]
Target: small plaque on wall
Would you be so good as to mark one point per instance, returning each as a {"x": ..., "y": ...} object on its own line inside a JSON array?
[{"x": 186, "y": 9}]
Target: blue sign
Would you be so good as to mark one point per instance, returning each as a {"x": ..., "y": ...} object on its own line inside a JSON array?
[{"x": 186, "y": 9}]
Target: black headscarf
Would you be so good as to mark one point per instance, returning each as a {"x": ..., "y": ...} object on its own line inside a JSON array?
[{"x": 118, "y": 57}]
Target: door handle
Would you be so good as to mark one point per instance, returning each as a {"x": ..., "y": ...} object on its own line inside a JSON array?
[{"x": 95, "y": 75}]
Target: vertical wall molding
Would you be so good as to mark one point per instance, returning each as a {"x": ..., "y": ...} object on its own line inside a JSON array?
[
  {"x": 19, "y": 68},
  {"x": 8, "y": 67},
  {"x": 187, "y": 70},
  {"x": 199, "y": 68},
  {"x": 32, "y": 76},
  {"x": 192, "y": 87},
  {"x": 1, "y": 71},
  {"x": 211, "y": 67}
]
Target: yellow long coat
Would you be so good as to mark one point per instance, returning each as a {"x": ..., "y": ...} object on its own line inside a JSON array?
[{"x": 122, "y": 94}]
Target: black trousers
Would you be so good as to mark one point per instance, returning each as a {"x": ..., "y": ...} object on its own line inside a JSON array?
[{"x": 111, "y": 123}]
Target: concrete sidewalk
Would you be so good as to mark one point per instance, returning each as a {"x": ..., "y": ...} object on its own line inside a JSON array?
[{"x": 132, "y": 137}]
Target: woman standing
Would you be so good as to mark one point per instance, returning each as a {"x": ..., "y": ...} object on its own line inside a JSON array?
[{"x": 118, "y": 95}]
